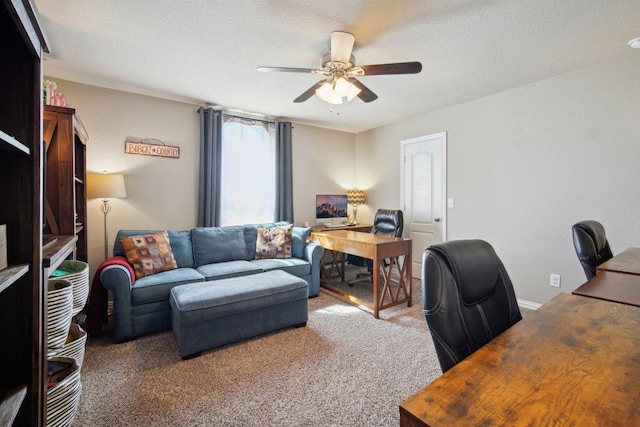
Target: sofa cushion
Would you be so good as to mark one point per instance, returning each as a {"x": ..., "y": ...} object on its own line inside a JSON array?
[
  {"x": 222, "y": 270},
  {"x": 274, "y": 242},
  {"x": 149, "y": 253},
  {"x": 218, "y": 244},
  {"x": 157, "y": 287},
  {"x": 299, "y": 238},
  {"x": 181, "y": 245},
  {"x": 296, "y": 266}
]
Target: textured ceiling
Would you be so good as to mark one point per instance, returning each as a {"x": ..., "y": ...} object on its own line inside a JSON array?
[{"x": 207, "y": 51}]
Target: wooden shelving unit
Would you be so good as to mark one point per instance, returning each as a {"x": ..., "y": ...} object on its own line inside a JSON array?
[
  {"x": 66, "y": 203},
  {"x": 22, "y": 301}
]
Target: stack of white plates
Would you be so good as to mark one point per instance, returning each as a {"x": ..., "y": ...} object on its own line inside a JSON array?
[
  {"x": 59, "y": 305},
  {"x": 63, "y": 399},
  {"x": 75, "y": 349},
  {"x": 80, "y": 281}
]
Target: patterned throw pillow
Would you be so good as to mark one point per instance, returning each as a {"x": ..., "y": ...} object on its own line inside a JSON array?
[
  {"x": 149, "y": 254},
  {"x": 274, "y": 242}
]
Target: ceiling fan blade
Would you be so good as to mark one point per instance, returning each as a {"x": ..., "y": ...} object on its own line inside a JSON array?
[
  {"x": 365, "y": 93},
  {"x": 309, "y": 92},
  {"x": 341, "y": 46},
  {"x": 289, "y": 70},
  {"x": 397, "y": 68}
]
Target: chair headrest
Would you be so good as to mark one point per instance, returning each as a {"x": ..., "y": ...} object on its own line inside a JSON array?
[
  {"x": 388, "y": 222},
  {"x": 595, "y": 231},
  {"x": 475, "y": 267}
]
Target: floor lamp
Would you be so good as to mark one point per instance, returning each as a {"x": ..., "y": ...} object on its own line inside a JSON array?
[
  {"x": 355, "y": 197},
  {"x": 105, "y": 187}
]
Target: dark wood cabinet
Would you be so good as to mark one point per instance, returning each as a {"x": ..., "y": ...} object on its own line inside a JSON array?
[
  {"x": 65, "y": 204},
  {"x": 22, "y": 300}
]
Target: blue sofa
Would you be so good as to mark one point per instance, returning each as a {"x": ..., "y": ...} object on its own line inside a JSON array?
[{"x": 202, "y": 254}]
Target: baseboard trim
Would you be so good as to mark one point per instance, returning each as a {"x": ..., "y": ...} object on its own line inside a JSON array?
[{"x": 528, "y": 304}]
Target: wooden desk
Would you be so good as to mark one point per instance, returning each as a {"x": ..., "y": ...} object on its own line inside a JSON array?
[
  {"x": 612, "y": 286},
  {"x": 627, "y": 261},
  {"x": 396, "y": 274},
  {"x": 575, "y": 361},
  {"x": 364, "y": 228},
  {"x": 336, "y": 267}
]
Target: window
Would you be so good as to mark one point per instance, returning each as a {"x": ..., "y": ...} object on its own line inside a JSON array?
[{"x": 248, "y": 172}]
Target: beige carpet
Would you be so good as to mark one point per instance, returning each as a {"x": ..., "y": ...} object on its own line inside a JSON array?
[{"x": 344, "y": 368}]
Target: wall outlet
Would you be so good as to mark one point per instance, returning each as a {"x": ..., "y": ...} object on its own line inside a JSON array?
[{"x": 554, "y": 280}]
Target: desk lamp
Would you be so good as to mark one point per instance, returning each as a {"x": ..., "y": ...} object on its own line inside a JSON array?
[{"x": 355, "y": 197}]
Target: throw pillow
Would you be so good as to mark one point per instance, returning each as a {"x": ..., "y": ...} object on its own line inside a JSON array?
[
  {"x": 274, "y": 242},
  {"x": 149, "y": 254}
]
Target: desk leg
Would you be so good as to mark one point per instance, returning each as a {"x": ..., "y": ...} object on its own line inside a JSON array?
[
  {"x": 334, "y": 269},
  {"x": 396, "y": 289},
  {"x": 376, "y": 285}
]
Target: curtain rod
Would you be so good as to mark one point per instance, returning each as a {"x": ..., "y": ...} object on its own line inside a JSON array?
[{"x": 248, "y": 118}]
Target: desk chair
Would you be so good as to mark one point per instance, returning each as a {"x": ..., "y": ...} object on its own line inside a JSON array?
[
  {"x": 591, "y": 245},
  {"x": 467, "y": 296},
  {"x": 387, "y": 222}
]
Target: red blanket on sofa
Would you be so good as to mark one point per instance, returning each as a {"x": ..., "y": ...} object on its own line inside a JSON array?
[{"x": 97, "y": 315}]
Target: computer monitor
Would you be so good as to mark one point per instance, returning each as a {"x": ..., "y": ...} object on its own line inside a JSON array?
[{"x": 331, "y": 208}]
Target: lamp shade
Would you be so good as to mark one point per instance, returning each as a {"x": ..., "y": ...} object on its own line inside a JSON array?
[
  {"x": 104, "y": 186},
  {"x": 355, "y": 196}
]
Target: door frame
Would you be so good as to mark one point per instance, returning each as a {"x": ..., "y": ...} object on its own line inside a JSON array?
[{"x": 442, "y": 136}]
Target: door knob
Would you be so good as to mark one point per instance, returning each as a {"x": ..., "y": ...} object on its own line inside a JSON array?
[{"x": 436, "y": 219}]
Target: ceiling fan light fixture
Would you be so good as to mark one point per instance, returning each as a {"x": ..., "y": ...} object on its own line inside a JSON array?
[
  {"x": 635, "y": 43},
  {"x": 342, "y": 87},
  {"x": 327, "y": 94}
]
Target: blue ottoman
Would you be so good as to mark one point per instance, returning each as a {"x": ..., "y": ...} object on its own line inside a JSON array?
[{"x": 209, "y": 314}]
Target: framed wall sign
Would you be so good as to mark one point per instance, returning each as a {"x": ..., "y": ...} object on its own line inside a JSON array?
[{"x": 148, "y": 148}]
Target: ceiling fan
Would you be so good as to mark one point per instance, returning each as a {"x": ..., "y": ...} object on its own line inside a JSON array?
[{"x": 340, "y": 69}]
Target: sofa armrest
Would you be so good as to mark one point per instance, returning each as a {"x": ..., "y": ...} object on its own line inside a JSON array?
[
  {"x": 313, "y": 253},
  {"x": 116, "y": 278}
]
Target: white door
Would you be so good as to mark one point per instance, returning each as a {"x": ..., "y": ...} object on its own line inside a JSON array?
[{"x": 423, "y": 194}]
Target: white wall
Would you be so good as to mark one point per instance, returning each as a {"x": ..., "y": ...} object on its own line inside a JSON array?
[
  {"x": 323, "y": 163},
  {"x": 162, "y": 192},
  {"x": 526, "y": 164}
]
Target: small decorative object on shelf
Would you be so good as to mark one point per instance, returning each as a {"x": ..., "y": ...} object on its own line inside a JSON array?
[
  {"x": 3, "y": 246},
  {"x": 51, "y": 96}
]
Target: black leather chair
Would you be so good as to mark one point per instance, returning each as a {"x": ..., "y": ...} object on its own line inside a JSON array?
[
  {"x": 387, "y": 222},
  {"x": 591, "y": 245},
  {"x": 467, "y": 296}
]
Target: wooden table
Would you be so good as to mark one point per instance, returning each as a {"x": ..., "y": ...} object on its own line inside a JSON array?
[
  {"x": 627, "y": 261},
  {"x": 575, "y": 361},
  {"x": 612, "y": 286},
  {"x": 396, "y": 274},
  {"x": 335, "y": 268},
  {"x": 364, "y": 228}
]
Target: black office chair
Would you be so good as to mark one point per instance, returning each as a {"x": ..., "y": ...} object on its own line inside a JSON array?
[
  {"x": 467, "y": 296},
  {"x": 591, "y": 245},
  {"x": 387, "y": 222}
]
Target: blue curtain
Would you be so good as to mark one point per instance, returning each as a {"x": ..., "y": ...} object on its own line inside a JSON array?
[
  {"x": 210, "y": 162},
  {"x": 284, "y": 172}
]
